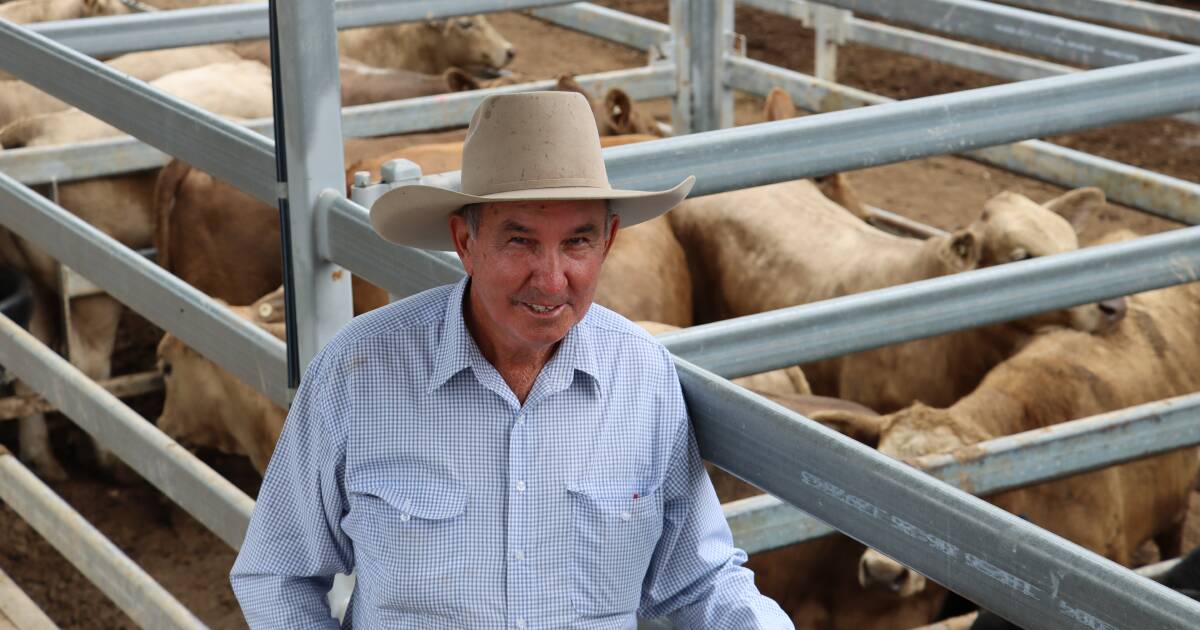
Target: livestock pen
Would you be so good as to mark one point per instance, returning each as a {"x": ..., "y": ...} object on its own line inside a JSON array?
[{"x": 992, "y": 557}]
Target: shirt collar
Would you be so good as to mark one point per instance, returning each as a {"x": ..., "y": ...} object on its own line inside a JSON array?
[{"x": 456, "y": 348}]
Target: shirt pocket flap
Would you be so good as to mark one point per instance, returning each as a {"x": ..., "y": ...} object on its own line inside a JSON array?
[{"x": 434, "y": 502}]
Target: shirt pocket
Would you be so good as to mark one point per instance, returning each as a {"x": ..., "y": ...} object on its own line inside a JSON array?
[
  {"x": 409, "y": 544},
  {"x": 613, "y": 536}
]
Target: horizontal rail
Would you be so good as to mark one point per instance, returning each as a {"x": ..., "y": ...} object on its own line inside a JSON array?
[
  {"x": 454, "y": 110},
  {"x": 994, "y": 558},
  {"x": 1067, "y": 40},
  {"x": 820, "y": 330},
  {"x": 189, "y": 482},
  {"x": 235, "y": 344},
  {"x": 764, "y": 522},
  {"x": 17, "y": 609},
  {"x": 41, "y": 165},
  {"x": 354, "y": 245},
  {"x": 208, "y": 142},
  {"x": 112, "y": 35},
  {"x": 765, "y": 153},
  {"x": 124, "y": 386},
  {"x": 1141, "y": 15},
  {"x": 136, "y": 593},
  {"x": 1139, "y": 188},
  {"x": 615, "y": 26}
]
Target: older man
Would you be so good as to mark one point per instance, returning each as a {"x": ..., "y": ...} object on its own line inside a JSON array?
[{"x": 499, "y": 453}]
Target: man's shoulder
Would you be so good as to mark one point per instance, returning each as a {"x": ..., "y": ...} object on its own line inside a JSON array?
[{"x": 413, "y": 312}]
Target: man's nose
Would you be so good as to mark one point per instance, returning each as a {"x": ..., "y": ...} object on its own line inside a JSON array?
[{"x": 549, "y": 275}]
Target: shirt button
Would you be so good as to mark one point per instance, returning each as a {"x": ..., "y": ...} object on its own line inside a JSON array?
[
  {"x": 520, "y": 622},
  {"x": 520, "y": 486},
  {"x": 404, "y": 518},
  {"x": 519, "y": 555},
  {"x": 624, "y": 516},
  {"x": 521, "y": 418}
]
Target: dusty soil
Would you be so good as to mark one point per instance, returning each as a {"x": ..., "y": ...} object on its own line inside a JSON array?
[{"x": 193, "y": 564}]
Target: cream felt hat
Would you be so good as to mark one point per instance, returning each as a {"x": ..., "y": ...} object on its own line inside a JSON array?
[{"x": 520, "y": 147}]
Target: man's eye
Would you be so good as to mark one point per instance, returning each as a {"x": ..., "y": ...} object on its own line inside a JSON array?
[
  {"x": 578, "y": 241},
  {"x": 518, "y": 240}
]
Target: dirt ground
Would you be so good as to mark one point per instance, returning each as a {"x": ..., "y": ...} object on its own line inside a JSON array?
[{"x": 193, "y": 564}]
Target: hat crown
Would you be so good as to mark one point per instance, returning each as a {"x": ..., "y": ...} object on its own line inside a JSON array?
[{"x": 532, "y": 140}]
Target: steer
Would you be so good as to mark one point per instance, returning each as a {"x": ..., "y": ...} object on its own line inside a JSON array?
[
  {"x": 1062, "y": 375},
  {"x": 468, "y": 42}
]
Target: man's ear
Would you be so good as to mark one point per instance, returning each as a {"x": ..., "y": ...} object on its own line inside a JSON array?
[
  {"x": 612, "y": 233},
  {"x": 460, "y": 233}
]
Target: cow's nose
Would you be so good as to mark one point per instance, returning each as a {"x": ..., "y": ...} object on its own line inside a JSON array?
[
  {"x": 509, "y": 54},
  {"x": 1113, "y": 310}
]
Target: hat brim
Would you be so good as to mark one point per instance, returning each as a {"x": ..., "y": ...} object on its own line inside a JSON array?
[{"x": 417, "y": 215}]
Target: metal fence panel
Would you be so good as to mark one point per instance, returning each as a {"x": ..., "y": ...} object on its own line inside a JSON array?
[
  {"x": 206, "y": 141},
  {"x": 1141, "y": 15},
  {"x": 235, "y": 344},
  {"x": 1068, "y": 40},
  {"x": 118, "y": 577},
  {"x": 198, "y": 489},
  {"x": 615, "y": 26},
  {"x": 994, "y": 558}
]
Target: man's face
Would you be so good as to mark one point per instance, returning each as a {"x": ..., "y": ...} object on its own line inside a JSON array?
[{"x": 533, "y": 267}]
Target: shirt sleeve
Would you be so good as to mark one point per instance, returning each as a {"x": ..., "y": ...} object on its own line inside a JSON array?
[
  {"x": 295, "y": 545},
  {"x": 696, "y": 577}
]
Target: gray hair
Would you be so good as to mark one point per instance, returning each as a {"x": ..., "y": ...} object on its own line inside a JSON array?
[{"x": 473, "y": 213}]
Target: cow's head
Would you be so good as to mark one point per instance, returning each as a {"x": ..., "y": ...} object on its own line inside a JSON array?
[
  {"x": 470, "y": 42},
  {"x": 1016, "y": 228}
]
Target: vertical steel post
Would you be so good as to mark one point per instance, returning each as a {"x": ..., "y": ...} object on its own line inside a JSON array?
[
  {"x": 701, "y": 33},
  {"x": 830, "y": 25},
  {"x": 311, "y": 97}
]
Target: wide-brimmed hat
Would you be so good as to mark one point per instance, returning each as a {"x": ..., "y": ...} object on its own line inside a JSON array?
[{"x": 530, "y": 146}]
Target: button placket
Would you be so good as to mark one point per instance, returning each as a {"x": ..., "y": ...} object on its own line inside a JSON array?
[{"x": 517, "y": 582}]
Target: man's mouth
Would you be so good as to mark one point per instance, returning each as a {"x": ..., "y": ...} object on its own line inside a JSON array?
[{"x": 543, "y": 310}]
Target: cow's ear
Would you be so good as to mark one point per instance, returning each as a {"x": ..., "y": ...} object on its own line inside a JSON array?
[
  {"x": 964, "y": 249},
  {"x": 779, "y": 105},
  {"x": 436, "y": 25},
  {"x": 459, "y": 81},
  {"x": 567, "y": 83},
  {"x": 1078, "y": 206},
  {"x": 618, "y": 110},
  {"x": 852, "y": 424}
]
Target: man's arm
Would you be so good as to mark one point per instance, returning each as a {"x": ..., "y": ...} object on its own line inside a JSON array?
[
  {"x": 696, "y": 577},
  {"x": 295, "y": 543}
]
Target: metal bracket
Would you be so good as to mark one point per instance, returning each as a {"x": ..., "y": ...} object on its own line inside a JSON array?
[
  {"x": 833, "y": 22},
  {"x": 735, "y": 43},
  {"x": 394, "y": 173}
]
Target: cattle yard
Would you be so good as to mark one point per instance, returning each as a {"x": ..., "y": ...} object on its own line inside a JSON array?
[{"x": 697, "y": 61}]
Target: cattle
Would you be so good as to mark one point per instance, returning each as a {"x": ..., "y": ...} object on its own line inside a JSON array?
[
  {"x": 30, "y": 11},
  {"x": 786, "y": 244},
  {"x": 21, "y": 100},
  {"x": 433, "y": 46},
  {"x": 206, "y": 406},
  {"x": 1062, "y": 375},
  {"x": 645, "y": 276},
  {"x": 121, "y": 207},
  {"x": 616, "y": 114}
]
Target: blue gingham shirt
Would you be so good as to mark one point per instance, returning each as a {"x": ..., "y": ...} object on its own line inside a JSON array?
[{"x": 407, "y": 458}]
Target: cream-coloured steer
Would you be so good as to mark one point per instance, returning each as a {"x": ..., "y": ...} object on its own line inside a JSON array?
[
  {"x": 1062, "y": 375},
  {"x": 467, "y": 42},
  {"x": 30, "y": 11}
]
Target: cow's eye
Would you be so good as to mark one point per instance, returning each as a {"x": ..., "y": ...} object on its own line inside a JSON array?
[
  {"x": 166, "y": 369},
  {"x": 465, "y": 24}
]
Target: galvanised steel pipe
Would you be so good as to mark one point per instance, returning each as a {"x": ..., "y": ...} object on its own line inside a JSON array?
[
  {"x": 189, "y": 482},
  {"x": 1141, "y": 15},
  {"x": 754, "y": 155},
  {"x": 111, "y": 35},
  {"x": 105, "y": 565},
  {"x": 764, "y": 522},
  {"x": 810, "y": 332},
  {"x": 994, "y": 558},
  {"x": 247, "y": 351},
  {"x": 208, "y": 142}
]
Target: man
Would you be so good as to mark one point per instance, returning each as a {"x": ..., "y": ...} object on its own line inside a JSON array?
[{"x": 499, "y": 453}]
